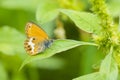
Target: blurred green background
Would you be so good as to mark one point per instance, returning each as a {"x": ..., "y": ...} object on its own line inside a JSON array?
[{"x": 14, "y": 14}]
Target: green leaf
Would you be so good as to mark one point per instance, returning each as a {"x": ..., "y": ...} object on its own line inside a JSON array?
[
  {"x": 57, "y": 46},
  {"x": 109, "y": 67},
  {"x": 11, "y": 41},
  {"x": 108, "y": 70},
  {"x": 83, "y": 20},
  {"x": 106, "y": 63},
  {"x": 113, "y": 75},
  {"x": 92, "y": 76},
  {"x": 47, "y": 11}
]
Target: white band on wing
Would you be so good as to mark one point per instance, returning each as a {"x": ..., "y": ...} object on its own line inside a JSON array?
[{"x": 31, "y": 44}]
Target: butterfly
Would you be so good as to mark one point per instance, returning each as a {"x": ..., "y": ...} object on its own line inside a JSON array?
[{"x": 37, "y": 39}]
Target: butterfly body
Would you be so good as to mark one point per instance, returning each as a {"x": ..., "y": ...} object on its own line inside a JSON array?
[{"x": 37, "y": 40}]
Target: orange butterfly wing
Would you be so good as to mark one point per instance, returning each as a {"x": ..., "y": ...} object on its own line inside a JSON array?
[
  {"x": 35, "y": 39},
  {"x": 32, "y": 30}
]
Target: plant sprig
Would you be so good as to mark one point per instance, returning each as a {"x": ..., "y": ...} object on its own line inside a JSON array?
[{"x": 109, "y": 33}]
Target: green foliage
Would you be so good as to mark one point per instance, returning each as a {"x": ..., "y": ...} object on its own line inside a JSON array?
[
  {"x": 92, "y": 76},
  {"x": 17, "y": 4},
  {"x": 114, "y": 7},
  {"x": 53, "y": 63},
  {"x": 12, "y": 44},
  {"x": 109, "y": 67},
  {"x": 3, "y": 74},
  {"x": 56, "y": 48},
  {"x": 83, "y": 20},
  {"x": 46, "y": 13},
  {"x": 75, "y": 57},
  {"x": 108, "y": 70}
]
